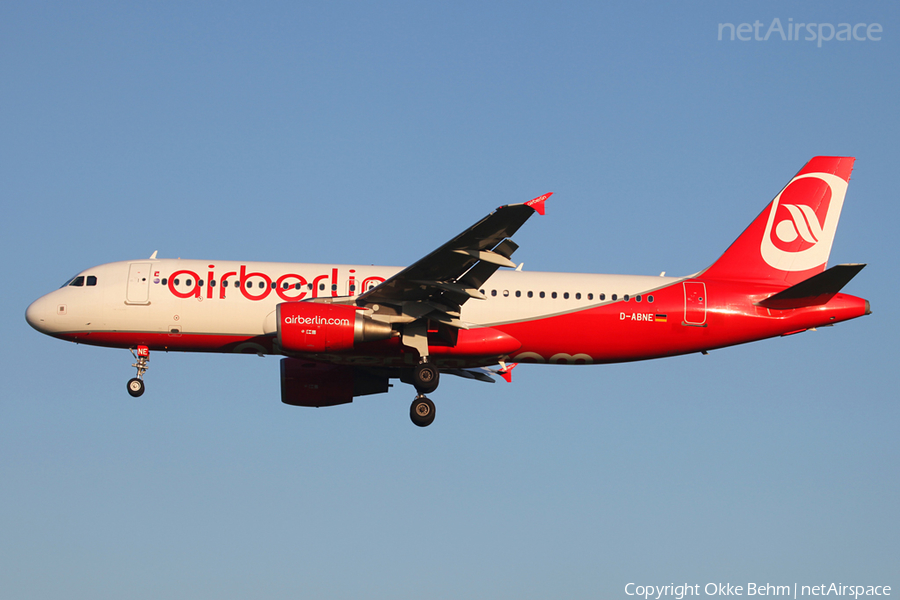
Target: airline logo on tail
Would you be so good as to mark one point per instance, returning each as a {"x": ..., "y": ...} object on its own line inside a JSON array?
[{"x": 802, "y": 222}]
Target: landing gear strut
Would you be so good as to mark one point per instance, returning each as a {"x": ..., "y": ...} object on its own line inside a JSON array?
[{"x": 136, "y": 384}]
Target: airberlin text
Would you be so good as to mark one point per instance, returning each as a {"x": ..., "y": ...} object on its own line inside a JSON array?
[
  {"x": 680, "y": 591},
  {"x": 317, "y": 320},
  {"x": 256, "y": 286}
]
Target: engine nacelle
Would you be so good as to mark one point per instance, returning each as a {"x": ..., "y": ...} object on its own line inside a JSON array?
[
  {"x": 306, "y": 383},
  {"x": 319, "y": 327}
]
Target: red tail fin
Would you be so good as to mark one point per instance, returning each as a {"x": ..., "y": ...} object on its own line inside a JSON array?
[{"x": 791, "y": 239}]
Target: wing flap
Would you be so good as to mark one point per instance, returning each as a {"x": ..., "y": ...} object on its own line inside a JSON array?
[{"x": 488, "y": 256}]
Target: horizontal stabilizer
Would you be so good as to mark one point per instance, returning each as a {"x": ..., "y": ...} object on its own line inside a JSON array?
[{"x": 815, "y": 291}]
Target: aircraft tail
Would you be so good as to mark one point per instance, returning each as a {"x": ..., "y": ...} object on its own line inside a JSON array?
[{"x": 791, "y": 239}]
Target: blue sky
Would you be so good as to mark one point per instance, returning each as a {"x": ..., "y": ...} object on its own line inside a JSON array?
[{"x": 357, "y": 132}]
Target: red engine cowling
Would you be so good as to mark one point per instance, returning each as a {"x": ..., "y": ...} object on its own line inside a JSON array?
[{"x": 318, "y": 327}]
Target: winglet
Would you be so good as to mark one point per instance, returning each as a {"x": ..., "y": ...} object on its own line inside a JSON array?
[
  {"x": 506, "y": 371},
  {"x": 538, "y": 203}
]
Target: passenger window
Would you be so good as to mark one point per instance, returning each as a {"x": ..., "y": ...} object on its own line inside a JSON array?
[
  {"x": 531, "y": 294},
  {"x": 188, "y": 283},
  {"x": 224, "y": 283},
  {"x": 212, "y": 283},
  {"x": 578, "y": 295},
  {"x": 542, "y": 294},
  {"x": 637, "y": 298},
  {"x": 518, "y": 294},
  {"x": 493, "y": 292},
  {"x": 165, "y": 280},
  {"x": 649, "y": 298},
  {"x": 615, "y": 297},
  {"x": 321, "y": 287},
  {"x": 262, "y": 285},
  {"x": 505, "y": 293},
  {"x": 553, "y": 295},
  {"x": 590, "y": 296},
  {"x": 602, "y": 297},
  {"x": 91, "y": 280},
  {"x": 200, "y": 282},
  {"x": 625, "y": 298},
  {"x": 78, "y": 281},
  {"x": 249, "y": 284},
  {"x": 177, "y": 281},
  {"x": 566, "y": 296},
  {"x": 297, "y": 286}
]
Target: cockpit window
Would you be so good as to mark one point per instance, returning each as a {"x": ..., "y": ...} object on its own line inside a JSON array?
[
  {"x": 67, "y": 283},
  {"x": 91, "y": 280},
  {"x": 78, "y": 281}
]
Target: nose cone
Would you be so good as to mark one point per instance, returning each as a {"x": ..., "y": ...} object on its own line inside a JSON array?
[{"x": 39, "y": 312}]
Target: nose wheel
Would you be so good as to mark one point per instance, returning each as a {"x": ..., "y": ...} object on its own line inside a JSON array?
[
  {"x": 136, "y": 384},
  {"x": 135, "y": 387}
]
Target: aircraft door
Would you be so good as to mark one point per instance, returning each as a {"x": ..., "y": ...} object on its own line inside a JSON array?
[
  {"x": 138, "y": 290},
  {"x": 695, "y": 303}
]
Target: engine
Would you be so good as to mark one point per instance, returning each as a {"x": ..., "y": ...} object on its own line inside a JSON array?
[
  {"x": 306, "y": 383},
  {"x": 319, "y": 327}
]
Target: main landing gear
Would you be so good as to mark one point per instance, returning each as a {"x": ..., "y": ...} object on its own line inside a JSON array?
[
  {"x": 425, "y": 378},
  {"x": 422, "y": 411},
  {"x": 136, "y": 384}
]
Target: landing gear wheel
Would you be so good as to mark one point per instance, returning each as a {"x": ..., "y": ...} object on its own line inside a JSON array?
[
  {"x": 422, "y": 411},
  {"x": 135, "y": 387},
  {"x": 425, "y": 378}
]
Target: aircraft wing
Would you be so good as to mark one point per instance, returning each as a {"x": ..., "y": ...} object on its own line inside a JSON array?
[{"x": 437, "y": 285}]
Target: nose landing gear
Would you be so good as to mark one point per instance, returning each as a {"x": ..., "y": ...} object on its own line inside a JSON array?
[{"x": 136, "y": 384}]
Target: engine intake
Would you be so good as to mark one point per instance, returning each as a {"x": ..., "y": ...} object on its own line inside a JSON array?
[{"x": 319, "y": 327}]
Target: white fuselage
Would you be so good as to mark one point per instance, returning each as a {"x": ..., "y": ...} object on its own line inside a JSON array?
[{"x": 188, "y": 297}]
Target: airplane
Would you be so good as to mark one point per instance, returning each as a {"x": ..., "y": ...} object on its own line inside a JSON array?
[{"x": 466, "y": 308}]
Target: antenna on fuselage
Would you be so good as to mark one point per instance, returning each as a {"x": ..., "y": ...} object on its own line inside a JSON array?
[{"x": 153, "y": 256}]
